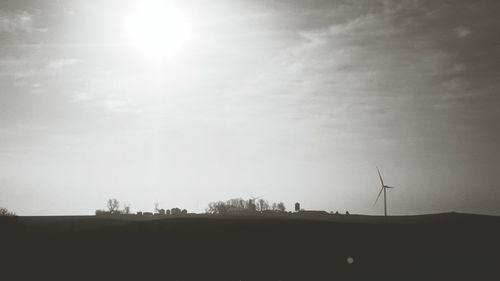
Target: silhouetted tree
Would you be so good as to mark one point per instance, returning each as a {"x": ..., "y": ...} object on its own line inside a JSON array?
[
  {"x": 113, "y": 206},
  {"x": 239, "y": 204},
  {"x": 184, "y": 212},
  {"x": 157, "y": 207},
  {"x": 281, "y": 207},
  {"x": 236, "y": 204},
  {"x": 218, "y": 207},
  {"x": 263, "y": 205},
  {"x": 4, "y": 212}
]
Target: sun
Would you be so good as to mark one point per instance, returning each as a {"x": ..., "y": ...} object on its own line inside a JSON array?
[{"x": 158, "y": 30}]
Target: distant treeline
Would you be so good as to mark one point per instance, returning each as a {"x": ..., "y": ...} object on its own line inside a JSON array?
[
  {"x": 219, "y": 207},
  {"x": 113, "y": 208},
  {"x": 241, "y": 205}
]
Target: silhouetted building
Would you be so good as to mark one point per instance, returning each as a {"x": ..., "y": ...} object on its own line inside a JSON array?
[
  {"x": 102, "y": 213},
  {"x": 313, "y": 213},
  {"x": 147, "y": 213},
  {"x": 251, "y": 205},
  {"x": 297, "y": 207},
  {"x": 175, "y": 211},
  {"x": 139, "y": 213}
]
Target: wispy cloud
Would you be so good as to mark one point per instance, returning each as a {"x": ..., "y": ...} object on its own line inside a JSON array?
[
  {"x": 16, "y": 68},
  {"x": 24, "y": 67},
  {"x": 82, "y": 97},
  {"x": 60, "y": 63},
  {"x": 42, "y": 30},
  {"x": 16, "y": 21}
]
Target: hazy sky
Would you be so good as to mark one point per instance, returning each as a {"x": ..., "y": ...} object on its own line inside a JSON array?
[{"x": 187, "y": 103}]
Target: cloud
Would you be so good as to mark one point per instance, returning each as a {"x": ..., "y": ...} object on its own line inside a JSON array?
[
  {"x": 113, "y": 103},
  {"x": 60, "y": 63},
  {"x": 12, "y": 62},
  {"x": 24, "y": 67},
  {"x": 42, "y": 30},
  {"x": 382, "y": 73},
  {"x": 82, "y": 97},
  {"x": 15, "y": 21},
  {"x": 16, "y": 68}
]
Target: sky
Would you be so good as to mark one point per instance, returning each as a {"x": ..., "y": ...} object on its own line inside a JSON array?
[{"x": 187, "y": 102}]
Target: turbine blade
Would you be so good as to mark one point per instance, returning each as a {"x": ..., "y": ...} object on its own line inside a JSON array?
[
  {"x": 380, "y": 176},
  {"x": 252, "y": 197},
  {"x": 378, "y": 196}
]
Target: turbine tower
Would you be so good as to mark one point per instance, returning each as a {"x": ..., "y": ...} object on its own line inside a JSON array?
[{"x": 384, "y": 188}]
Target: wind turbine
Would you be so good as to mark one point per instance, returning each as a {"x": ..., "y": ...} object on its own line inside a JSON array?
[
  {"x": 384, "y": 188},
  {"x": 252, "y": 201},
  {"x": 254, "y": 198}
]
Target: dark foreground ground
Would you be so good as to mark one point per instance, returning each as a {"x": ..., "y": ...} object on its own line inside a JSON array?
[{"x": 287, "y": 247}]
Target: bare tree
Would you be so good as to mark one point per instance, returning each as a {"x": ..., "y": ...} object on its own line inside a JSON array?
[
  {"x": 4, "y": 212},
  {"x": 281, "y": 207},
  {"x": 218, "y": 207},
  {"x": 113, "y": 206},
  {"x": 274, "y": 207},
  {"x": 157, "y": 207},
  {"x": 236, "y": 204},
  {"x": 263, "y": 205}
]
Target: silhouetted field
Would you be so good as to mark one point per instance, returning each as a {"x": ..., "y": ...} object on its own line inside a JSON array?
[{"x": 272, "y": 247}]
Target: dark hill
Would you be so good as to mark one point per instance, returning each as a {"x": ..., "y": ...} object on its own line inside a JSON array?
[{"x": 267, "y": 247}]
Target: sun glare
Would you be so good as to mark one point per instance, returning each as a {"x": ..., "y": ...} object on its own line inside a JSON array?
[{"x": 157, "y": 30}]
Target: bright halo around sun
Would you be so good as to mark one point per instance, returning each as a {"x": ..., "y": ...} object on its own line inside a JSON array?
[{"x": 158, "y": 30}]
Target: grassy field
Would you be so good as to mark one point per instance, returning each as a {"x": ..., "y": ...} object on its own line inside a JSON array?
[{"x": 253, "y": 247}]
